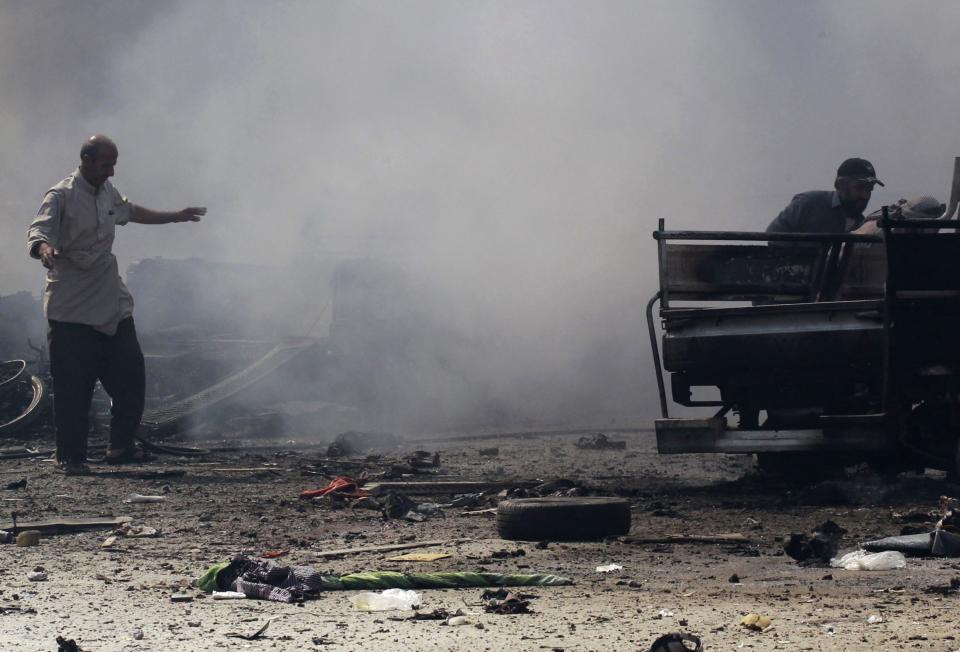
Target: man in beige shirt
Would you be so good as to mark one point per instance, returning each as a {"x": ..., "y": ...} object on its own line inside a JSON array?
[{"x": 88, "y": 307}]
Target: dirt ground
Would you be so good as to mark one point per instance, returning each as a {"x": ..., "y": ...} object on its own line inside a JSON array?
[{"x": 120, "y": 598}]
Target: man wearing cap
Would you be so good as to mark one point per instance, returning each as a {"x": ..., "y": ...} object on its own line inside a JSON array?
[
  {"x": 89, "y": 310},
  {"x": 836, "y": 211}
]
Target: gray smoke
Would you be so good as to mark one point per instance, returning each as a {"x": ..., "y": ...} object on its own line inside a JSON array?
[{"x": 512, "y": 157}]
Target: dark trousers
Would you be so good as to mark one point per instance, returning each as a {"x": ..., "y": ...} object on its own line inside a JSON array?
[{"x": 79, "y": 356}]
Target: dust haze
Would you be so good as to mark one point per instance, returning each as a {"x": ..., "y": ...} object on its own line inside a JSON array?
[{"x": 511, "y": 158}]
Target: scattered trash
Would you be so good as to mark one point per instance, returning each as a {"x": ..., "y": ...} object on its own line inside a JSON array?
[
  {"x": 420, "y": 556},
  {"x": 139, "y": 498},
  {"x": 945, "y": 589},
  {"x": 389, "y": 600},
  {"x": 818, "y": 547},
  {"x": 873, "y": 619},
  {"x": 510, "y": 604},
  {"x": 109, "y": 542},
  {"x": 600, "y": 441},
  {"x": 876, "y": 561},
  {"x": 633, "y": 584},
  {"x": 457, "y": 621},
  {"x": 734, "y": 579},
  {"x": 436, "y": 614},
  {"x": 664, "y": 613},
  {"x": 67, "y": 645},
  {"x": 251, "y": 637},
  {"x": 917, "y": 545},
  {"x": 677, "y": 642},
  {"x": 609, "y": 568},
  {"x": 138, "y": 634},
  {"x": 135, "y": 531},
  {"x": 181, "y": 597},
  {"x": 275, "y": 554},
  {"x": 7, "y": 537},
  {"x": 756, "y": 622},
  {"x": 388, "y": 547},
  {"x": 28, "y": 538},
  {"x": 340, "y": 485},
  {"x": 229, "y": 595},
  {"x": 17, "y": 484},
  {"x": 354, "y": 442},
  {"x": 37, "y": 576}
]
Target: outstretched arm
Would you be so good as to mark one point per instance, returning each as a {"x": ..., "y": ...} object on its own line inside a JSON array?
[{"x": 143, "y": 215}]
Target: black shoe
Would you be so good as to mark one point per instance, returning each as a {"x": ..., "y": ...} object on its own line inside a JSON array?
[{"x": 73, "y": 467}]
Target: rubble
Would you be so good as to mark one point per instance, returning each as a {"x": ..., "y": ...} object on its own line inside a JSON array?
[{"x": 600, "y": 441}]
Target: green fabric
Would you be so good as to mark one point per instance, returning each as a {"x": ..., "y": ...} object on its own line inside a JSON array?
[
  {"x": 208, "y": 581},
  {"x": 393, "y": 580}
]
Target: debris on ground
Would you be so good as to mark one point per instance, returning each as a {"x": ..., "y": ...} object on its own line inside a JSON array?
[
  {"x": 950, "y": 588},
  {"x": 353, "y": 442},
  {"x": 420, "y": 556},
  {"x": 37, "y": 576},
  {"x": 28, "y": 538},
  {"x": 251, "y": 637},
  {"x": 489, "y": 452},
  {"x": 267, "y": 580},
  {"x": 341, "y": 485},
  {"x": 17, "y": 484},
  {"x": 508, "y": 605},
  {"x": 677, "y": 642},
  {"x": 388, "y": 600},
  {"x": 870, "y": 561},
  {"x": 436, "y": 614},
  {"x": 135, "y": 531},
  {"x": 600, "y": 441},
  {"x": 459, "y": 621},
  {"x": 140, "y": 498},
  {"x": 67, "y": 645},
  {"x": 563, "y": 519},
  {"x": 609, "y": 568},
  {"x": 756, "y": 622},
  {"x": 819, "y": 547}
]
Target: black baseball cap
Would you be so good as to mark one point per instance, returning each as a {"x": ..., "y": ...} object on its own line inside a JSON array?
[{"x": 859, "y": 168}]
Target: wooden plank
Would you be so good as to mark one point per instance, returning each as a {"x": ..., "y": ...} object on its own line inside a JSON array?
[
  {"x": 62, "y": 525},
  {"x": 390, "y": 547},
  {"x": 734, "y": 537},
  {"x": 455, "y": 487}
]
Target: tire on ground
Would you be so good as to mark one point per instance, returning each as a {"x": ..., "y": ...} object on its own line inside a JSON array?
[{"x": 562, "y": 519}]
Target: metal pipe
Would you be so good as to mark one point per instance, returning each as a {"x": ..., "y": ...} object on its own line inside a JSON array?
[
  {"x": 954, "y": 192},
  {"x": 656, "y": 355},
  {"x": 754, "y": 236}
]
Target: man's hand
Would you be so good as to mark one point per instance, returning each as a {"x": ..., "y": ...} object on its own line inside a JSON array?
[
  {"x": 192, "y": 214},
  {"x": 869, "y": 227},
  {"x": 47, "y": 254}
]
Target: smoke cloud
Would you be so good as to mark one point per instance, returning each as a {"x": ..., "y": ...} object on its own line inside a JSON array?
[{"x": 511, "y": 157}]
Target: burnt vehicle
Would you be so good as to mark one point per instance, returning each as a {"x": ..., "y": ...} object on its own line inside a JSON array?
[{"x": 813, "y": 349}]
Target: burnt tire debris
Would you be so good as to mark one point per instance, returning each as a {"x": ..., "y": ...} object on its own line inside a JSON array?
[{"x": 563, "y": 518}]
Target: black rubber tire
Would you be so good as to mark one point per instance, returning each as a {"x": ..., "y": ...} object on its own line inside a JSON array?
[{"x": 562, "y": 519}]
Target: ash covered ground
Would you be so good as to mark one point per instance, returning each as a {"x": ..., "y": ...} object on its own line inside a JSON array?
[{"x": 246, "y": 500}]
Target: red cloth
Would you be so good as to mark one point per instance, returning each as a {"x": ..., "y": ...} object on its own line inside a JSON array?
[{"x": 341, "y": 485}]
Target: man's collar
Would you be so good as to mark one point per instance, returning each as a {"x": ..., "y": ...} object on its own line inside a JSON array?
[
  {"x": 835, "y": 200},
  {"x": 83, "y": 183}
]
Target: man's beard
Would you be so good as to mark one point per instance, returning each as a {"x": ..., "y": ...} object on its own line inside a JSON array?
[{"x": 854, "y": 207}]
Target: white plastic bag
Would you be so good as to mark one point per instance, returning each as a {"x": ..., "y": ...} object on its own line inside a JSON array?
[
  {"x": 875, "y": 561},
  {"x": 386, "y": 601}
]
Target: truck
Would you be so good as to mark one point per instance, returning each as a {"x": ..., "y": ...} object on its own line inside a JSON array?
[{"x": 812, "y": 350}]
